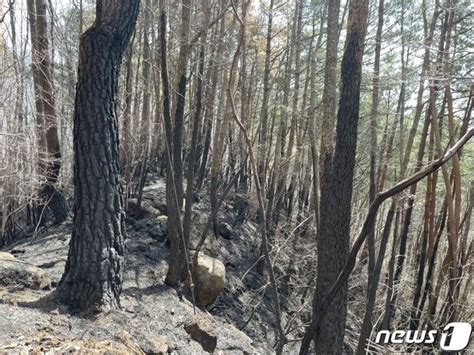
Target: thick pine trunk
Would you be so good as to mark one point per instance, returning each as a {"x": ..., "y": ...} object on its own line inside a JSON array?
[{"x": 93, "y": 276}]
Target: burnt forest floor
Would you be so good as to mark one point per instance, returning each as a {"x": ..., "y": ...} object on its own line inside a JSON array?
[{"x": 153, "y": 315}]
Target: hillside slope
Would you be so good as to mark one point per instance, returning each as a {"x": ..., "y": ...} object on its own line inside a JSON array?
[{"x": 153, "y": 316}]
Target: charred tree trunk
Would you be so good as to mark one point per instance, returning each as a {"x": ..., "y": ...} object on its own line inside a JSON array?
[
  {"x": 177, "y": 258},
  {"x": 187, "y": 219},
  {"x": 92, "y": 279},
  {"x": 336, "y": 195},
  {"x": 210, "y": 95}
]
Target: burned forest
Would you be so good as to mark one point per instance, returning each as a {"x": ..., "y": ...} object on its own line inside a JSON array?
[{"x": 236, "y": 176}]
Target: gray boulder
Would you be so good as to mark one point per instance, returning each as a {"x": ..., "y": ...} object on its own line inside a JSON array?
[
  {"x": 209, "y": 279},
  {"x": 18, "y": 273},
  {"x": 146, "y": 210}
]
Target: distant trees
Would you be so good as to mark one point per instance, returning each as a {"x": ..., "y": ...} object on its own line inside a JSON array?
[
  {"x": 47, "y": 125},
  {"x": 94, "y": 269}
]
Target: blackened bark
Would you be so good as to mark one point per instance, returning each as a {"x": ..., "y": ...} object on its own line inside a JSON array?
[
  {"x": 181, "y": 80},
  {"x": 427, "y": 239},
  {"x": 177, "y": 260},
  {"x": 213, "y": 73},
  {"x": 193, "y": 156},
  {"x": 334, "y": 234},
  {"x": 431, "y": 265},
  {"x": 174, "y": 172},
  {"x": 93, "y": 276}
]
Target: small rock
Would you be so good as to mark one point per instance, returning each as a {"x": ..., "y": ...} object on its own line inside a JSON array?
[
  {"x": 55, "y": 312},
  {"x": 146, "y": 210},
  {"x": 152, "y": 211},
  {"x": 15, "y": 273},
  {"x": 209, "y": 279},
  {"x": 156, "y": 345},
  {"x": 225, "y": 230},
  {"x": 126, "y": 339},
  {"x": 202, "y": 336},
  {"x": 72, "y": 349},
  {"x": 18, "y": 251},
  {"x": 159, "y": 229},
  {"x": 160, "y": 205},
  {"x": 160, "y": 345},
  {"x": 162, "y": 219},
  {"x": 48, "y": 265},
  {"x": 6, "y": 256}
]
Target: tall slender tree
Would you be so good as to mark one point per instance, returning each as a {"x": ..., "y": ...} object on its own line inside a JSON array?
[
  {"x": 329, "y": 90},
  {"x": 367, "y": 322},
  {"x": 336, "y": 195}
]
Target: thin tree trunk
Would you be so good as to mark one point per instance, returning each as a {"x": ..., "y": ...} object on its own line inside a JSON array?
[
  {"x": 427, "y": 239},
  {"x": 372, "y": 291},
  {"x": 127, "y": 137},
  {"x": 220, "y": 130},
  {"x": 213, "y": 73},
  {"x": 262, "y": 168},
  {"x": 372, "y": 274},
  {"x": 329, "y": 90},
  {"x": 50, "y": 152},
  {"x": 146, "y": 73},
  {"x": 195, "y": 130},
  {"x": 181, "y": 80}
]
